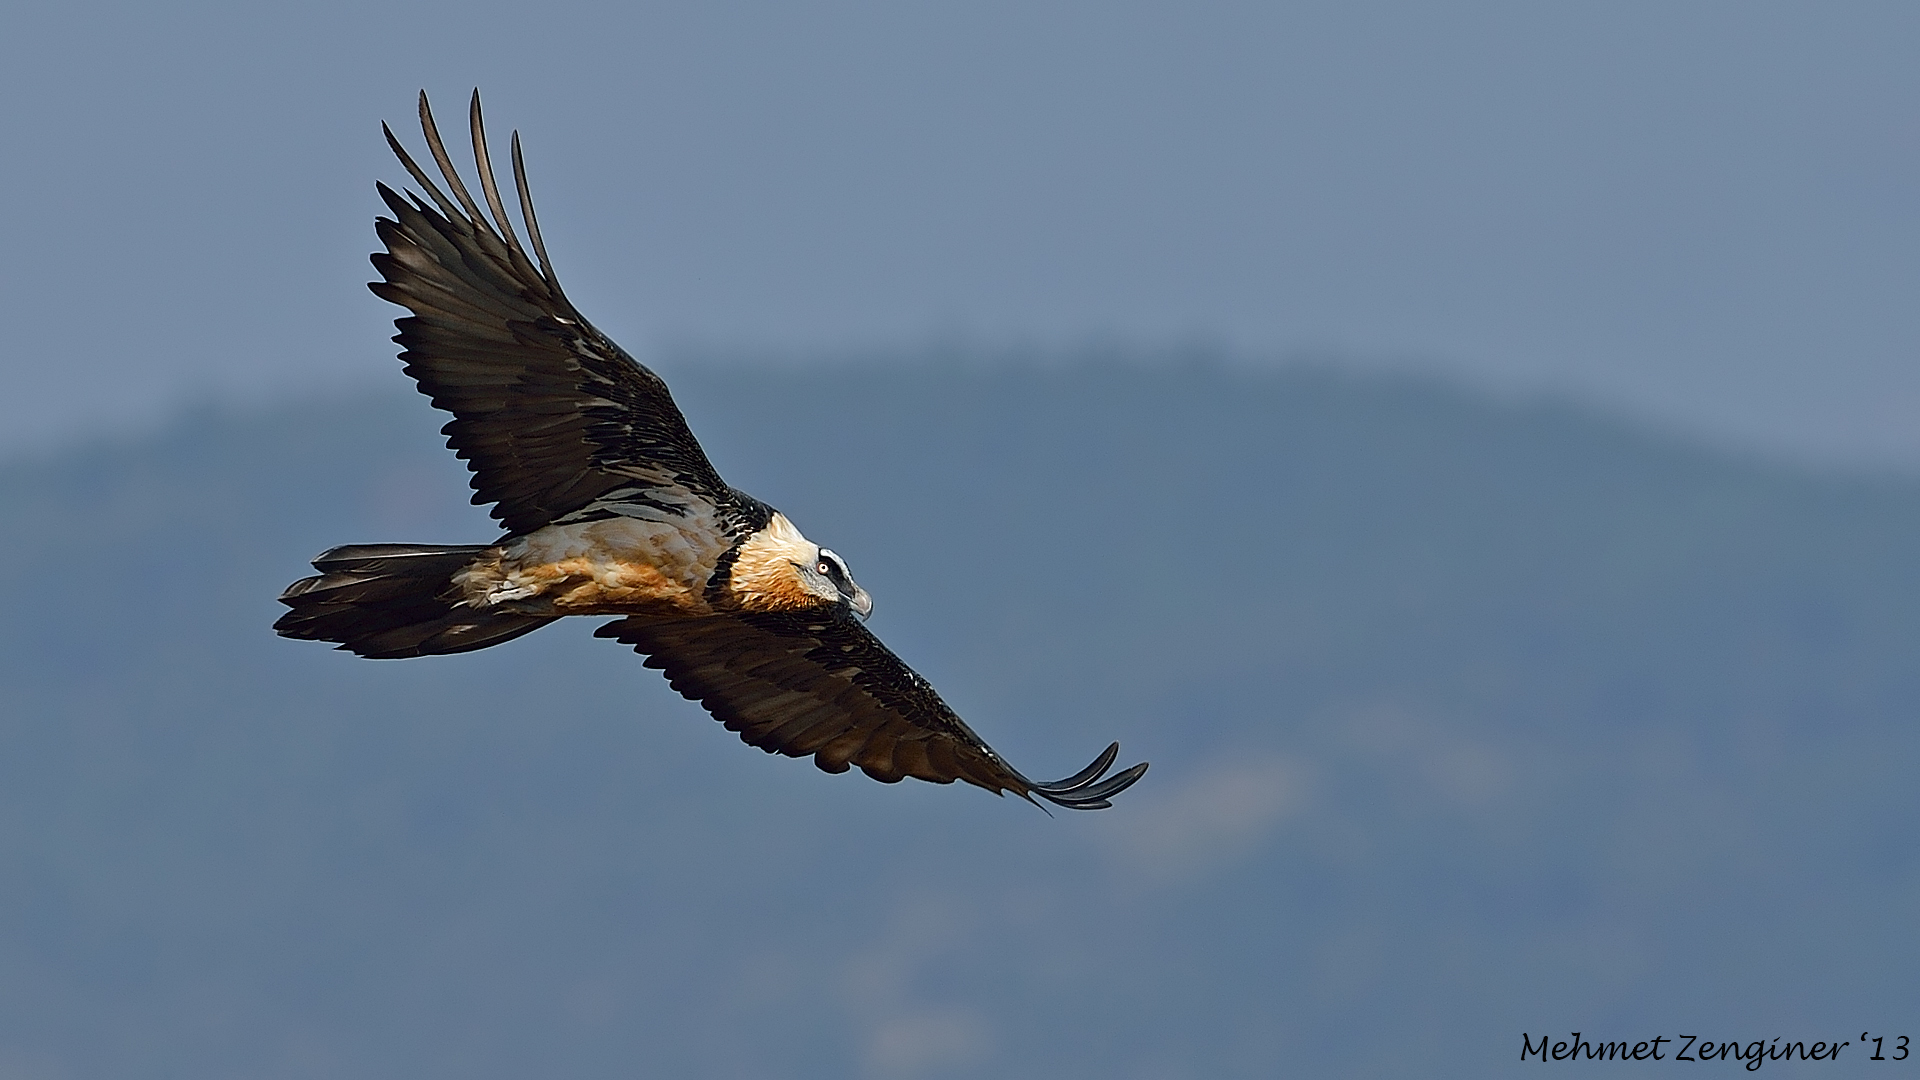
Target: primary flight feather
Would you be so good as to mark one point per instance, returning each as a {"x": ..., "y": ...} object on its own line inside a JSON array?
[{"x": 611, "y": 508}]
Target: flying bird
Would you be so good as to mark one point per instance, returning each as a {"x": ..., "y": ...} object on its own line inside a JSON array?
[{"x": 610, "y": 507}]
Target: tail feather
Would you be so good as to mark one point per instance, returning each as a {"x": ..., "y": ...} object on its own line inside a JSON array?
[{"x": 388, "y": 601}]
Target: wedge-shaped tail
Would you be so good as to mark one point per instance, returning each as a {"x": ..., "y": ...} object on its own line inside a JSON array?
[{"x": 388, "y": 601}]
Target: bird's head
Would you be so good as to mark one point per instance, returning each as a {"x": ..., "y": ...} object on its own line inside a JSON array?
[
  {"x": 777, "y": 569},
  {"x": 828, "y": 579}
]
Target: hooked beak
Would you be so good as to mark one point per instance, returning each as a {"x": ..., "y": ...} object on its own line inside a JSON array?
[{"x": 862, "y": 603}]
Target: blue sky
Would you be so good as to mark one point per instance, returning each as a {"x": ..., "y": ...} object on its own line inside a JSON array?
[{"x": 1701, "y": 211}]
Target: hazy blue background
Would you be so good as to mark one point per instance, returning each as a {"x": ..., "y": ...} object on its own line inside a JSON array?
[
  {"x": 1465, "y": 720},
  {"x": 1704, "y": 209},
  {"x": 1470, "y": 451}
]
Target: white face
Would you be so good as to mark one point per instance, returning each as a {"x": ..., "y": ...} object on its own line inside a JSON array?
[
  {"x": 829, "y": 579},
  {"x": 832, "y": 567}
]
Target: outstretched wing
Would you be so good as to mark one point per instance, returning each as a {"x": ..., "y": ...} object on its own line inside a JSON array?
[
  {"x": 822, "y": 685},
  {"x": 549, "y": 413}
]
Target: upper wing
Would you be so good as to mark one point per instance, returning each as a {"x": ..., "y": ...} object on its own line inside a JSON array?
[
  {"x": 821, "y": 684},
  {"x": 549, "y": 413}
]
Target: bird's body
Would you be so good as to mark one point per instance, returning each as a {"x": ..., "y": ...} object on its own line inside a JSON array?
[
  {"x": 612, "y": 566},
  {"x": 623, "y": 565},
  {"x": 611, "y": 508}
]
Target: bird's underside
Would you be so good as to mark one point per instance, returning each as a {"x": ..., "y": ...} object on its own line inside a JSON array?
[{"x": 611, "y": 508}]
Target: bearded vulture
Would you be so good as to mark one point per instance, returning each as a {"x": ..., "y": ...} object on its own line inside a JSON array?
[{"x": 611, "y": 508}]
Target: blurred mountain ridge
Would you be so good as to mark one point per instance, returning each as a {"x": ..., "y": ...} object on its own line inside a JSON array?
[{"x": 1467, "y": 718}]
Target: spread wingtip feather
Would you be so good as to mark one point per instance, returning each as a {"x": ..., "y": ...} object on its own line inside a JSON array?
[{"x": 1085, "y": 790}]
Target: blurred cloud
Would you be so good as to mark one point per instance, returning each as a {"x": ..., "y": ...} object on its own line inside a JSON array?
[
  {"x": 1212, "y": 815},
  {"x": 1209, "y": 816},
  {"x": 903, "y": 1035},
  {"x": 925, "y": 1043},
  {"x": 1450, "y": 764}
]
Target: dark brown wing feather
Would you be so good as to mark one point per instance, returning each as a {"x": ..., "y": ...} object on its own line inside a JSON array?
[
  {"x": 548, "y": 412},
  {"x": 822, "y": 685}
]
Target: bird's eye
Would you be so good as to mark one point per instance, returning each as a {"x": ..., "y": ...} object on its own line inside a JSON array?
[{"x": 825, "y": 569}]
